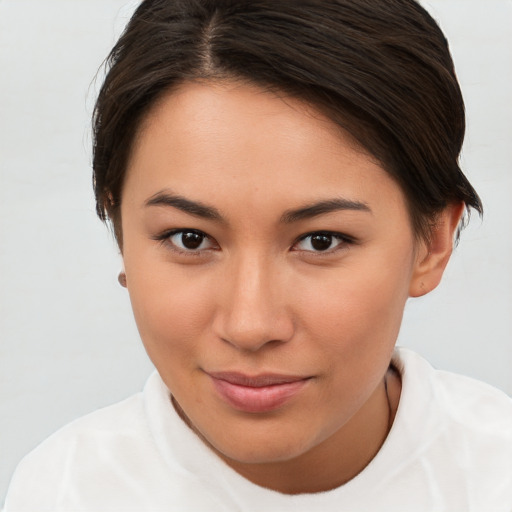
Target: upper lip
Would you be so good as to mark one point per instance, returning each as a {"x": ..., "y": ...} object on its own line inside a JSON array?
[{"x": 255, "y": 381}]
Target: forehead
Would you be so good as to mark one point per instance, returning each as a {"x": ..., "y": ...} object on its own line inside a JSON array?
[{"x": 238, "y": 139}]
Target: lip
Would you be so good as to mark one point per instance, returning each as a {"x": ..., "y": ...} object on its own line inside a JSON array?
[{"x": 259, "y": 393}]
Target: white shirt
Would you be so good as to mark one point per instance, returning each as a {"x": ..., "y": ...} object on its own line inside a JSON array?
[{"x": 450, "y": 449}]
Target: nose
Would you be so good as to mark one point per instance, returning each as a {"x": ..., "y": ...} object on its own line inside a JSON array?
[{"x": 254, "y": 311}]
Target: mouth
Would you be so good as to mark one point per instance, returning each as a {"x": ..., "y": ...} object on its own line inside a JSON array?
[{"x": 259, "y": 393}]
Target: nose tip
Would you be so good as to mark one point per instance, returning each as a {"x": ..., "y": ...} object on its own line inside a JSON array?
[
  {"x": 249, "y": 325},
  {"x": 254, "y": 312}
]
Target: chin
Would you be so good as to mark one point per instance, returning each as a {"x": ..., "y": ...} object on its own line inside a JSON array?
[
  {"x": 264, "y": 453},
  {"x": 270, "y": 444}
]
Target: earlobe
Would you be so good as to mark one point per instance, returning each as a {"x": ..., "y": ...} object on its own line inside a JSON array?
[
  {"x": 433, "y": 256},
  {"x": 121, "y": 277}
]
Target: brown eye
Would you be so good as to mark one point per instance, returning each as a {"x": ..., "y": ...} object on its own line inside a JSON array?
[
  {"x": 321, "y": 242},
  {"x": 190, "y": 241}
]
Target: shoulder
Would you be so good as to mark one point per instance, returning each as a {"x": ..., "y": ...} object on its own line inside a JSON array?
[
  {"x": 462, "y": 429},
  {"x": 115, "y": 459},
  {"x": 72, "y": 453},
  {"x": 122, "y": 419},
  {"x": 460, "y": 399}
]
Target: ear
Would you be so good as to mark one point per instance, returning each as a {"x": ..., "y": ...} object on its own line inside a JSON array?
[
  {"x": 122, "y": 277},
  {"x": 433, "y": 256}
]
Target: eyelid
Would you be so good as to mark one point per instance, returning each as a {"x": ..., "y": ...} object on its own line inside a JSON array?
[
  {"x": 343, "y": 239},
  {"x": 164, "y": 239}
]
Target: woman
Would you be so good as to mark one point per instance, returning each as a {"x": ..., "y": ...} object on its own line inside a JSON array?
[{"x": 281, "y": 177}]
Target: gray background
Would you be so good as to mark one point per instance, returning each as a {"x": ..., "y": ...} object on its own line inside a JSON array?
[{"x": 68, "y": 343}]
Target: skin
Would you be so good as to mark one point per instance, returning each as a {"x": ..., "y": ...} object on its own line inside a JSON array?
[{"x": 256, "y": 297}]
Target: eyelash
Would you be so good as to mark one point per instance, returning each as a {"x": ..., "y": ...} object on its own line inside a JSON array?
[
  {"x": 344, "y": 241},
  {"x": 165, "y": 239}
]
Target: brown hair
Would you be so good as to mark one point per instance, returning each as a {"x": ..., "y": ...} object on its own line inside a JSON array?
[{"x": 380, "y": 69}]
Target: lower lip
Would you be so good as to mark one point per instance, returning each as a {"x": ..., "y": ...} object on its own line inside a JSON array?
[{"x": 258, "y": 400}]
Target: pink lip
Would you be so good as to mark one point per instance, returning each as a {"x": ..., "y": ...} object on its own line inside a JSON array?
[{"x": 261, "y": 393}]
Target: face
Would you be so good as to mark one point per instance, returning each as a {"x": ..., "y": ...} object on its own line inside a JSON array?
[{"x": 268, "y": 261}]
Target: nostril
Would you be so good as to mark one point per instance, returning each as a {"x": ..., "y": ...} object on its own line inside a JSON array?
[{"x": 253, "y": 345}]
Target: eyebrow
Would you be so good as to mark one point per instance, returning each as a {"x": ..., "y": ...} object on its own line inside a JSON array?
[
  {"x": 322, "y": 207},
  {"x": 186, "y": 205},
  {"x": 199, "y": 209}
]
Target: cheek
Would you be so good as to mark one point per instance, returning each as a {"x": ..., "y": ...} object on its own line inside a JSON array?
[
  {"x": 358, "y": 311},
  {"x": 170, "y": 310},
  {"x": 352, "y": 326}
]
